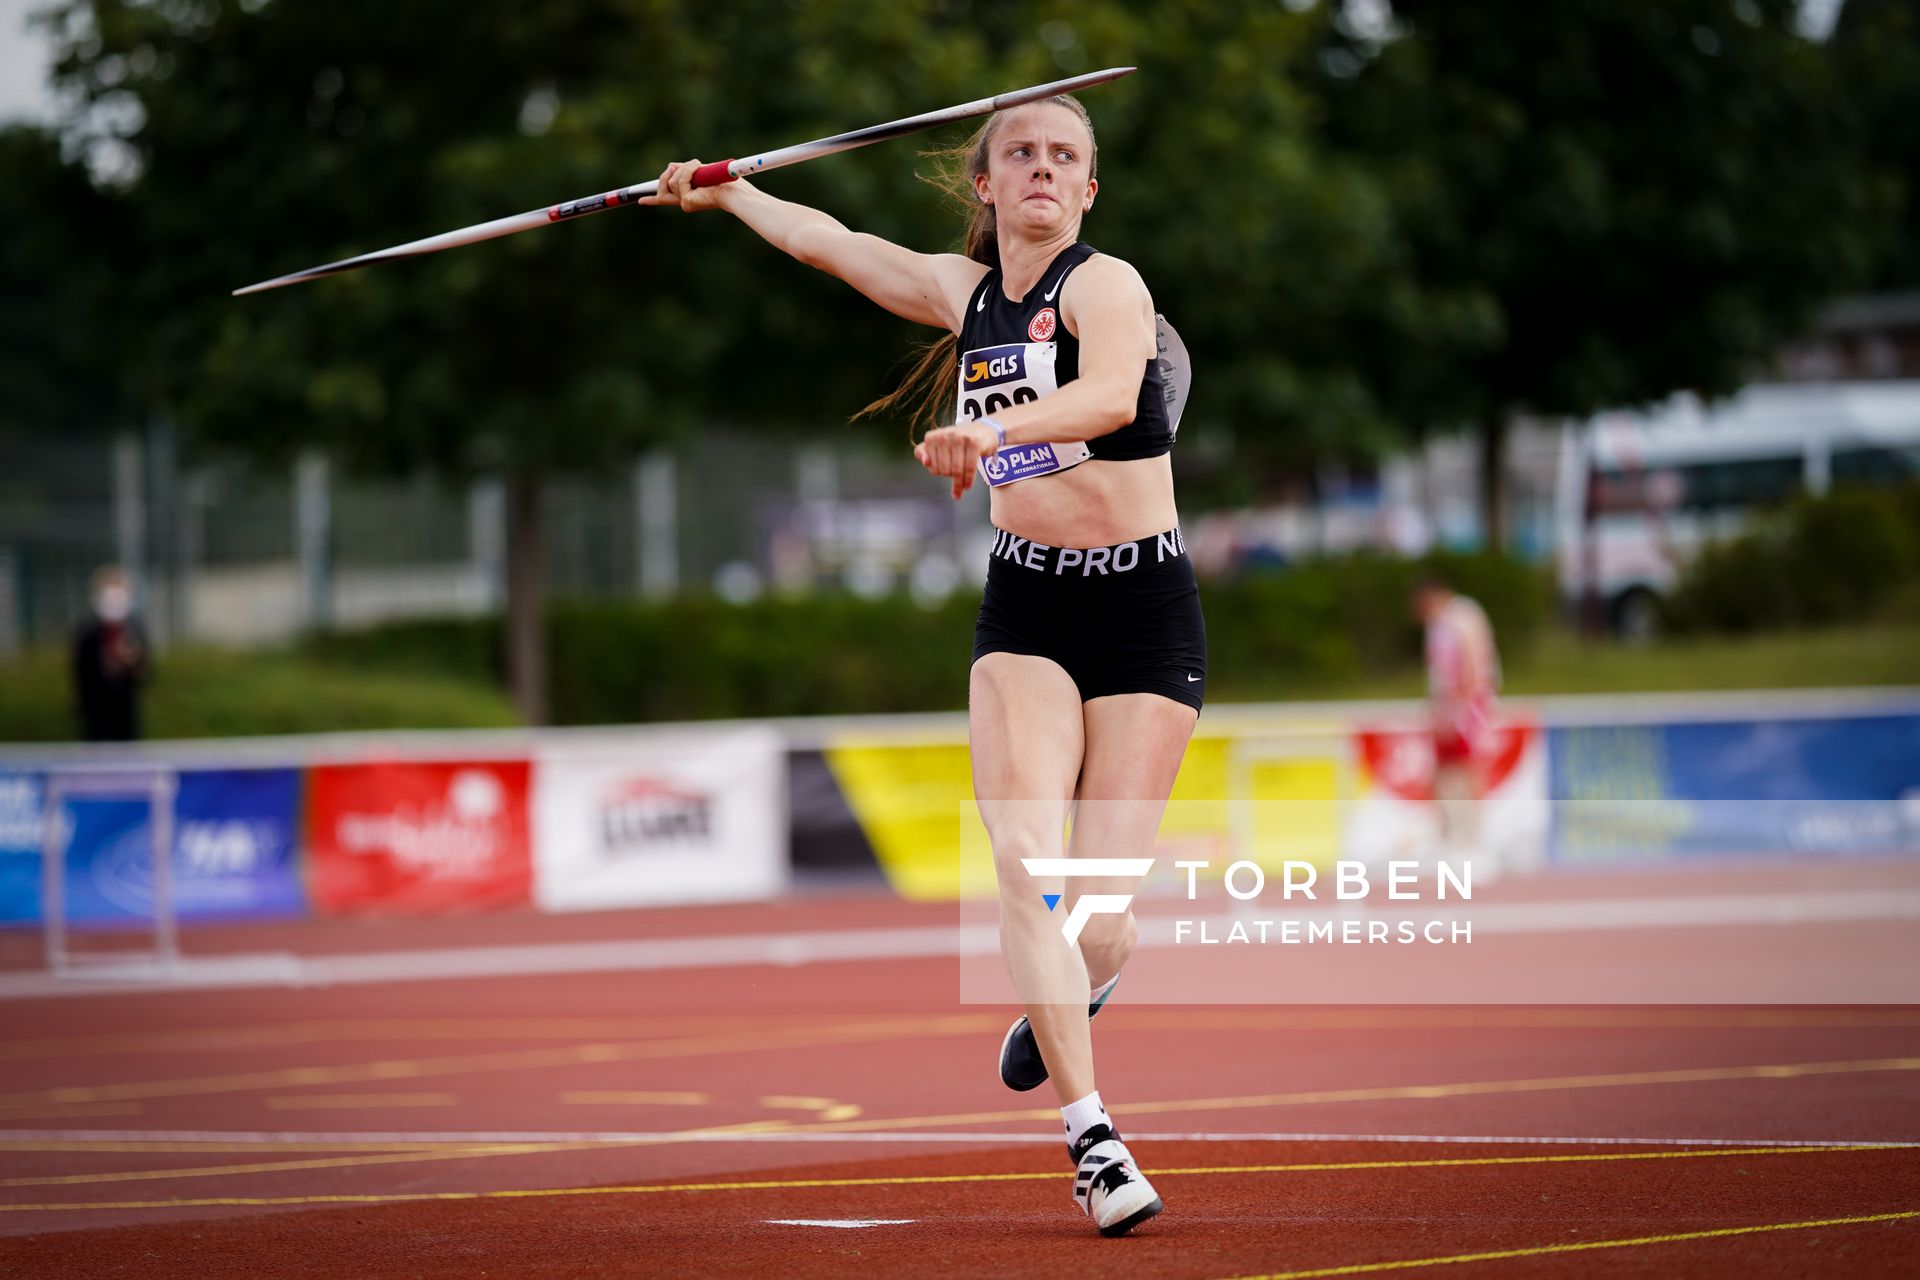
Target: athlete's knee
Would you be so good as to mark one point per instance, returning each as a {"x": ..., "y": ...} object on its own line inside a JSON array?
[
  {"x": 1107, "y": 940},
  {"x": 1011, "y": 848}
]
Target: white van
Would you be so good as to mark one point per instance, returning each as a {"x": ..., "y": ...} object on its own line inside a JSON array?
[{"x": 1640, "y": 493}]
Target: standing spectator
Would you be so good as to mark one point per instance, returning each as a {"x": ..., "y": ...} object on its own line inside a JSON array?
[
  {"x": 110, "y": 662},
  {"x": 1463, "y": 674}
]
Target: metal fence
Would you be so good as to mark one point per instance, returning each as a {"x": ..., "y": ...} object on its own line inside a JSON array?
[{"x": 225, "y": 552}]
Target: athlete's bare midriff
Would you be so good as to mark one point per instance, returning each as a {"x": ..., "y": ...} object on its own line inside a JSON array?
[{"x": 1099, "y": 503}]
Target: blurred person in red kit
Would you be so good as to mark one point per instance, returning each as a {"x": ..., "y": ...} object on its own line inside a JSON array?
[
  {"x": 110, "y": 662},
  {"x": 1463, "y": 675}
]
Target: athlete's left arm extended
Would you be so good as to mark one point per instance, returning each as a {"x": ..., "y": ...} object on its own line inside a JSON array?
[{"x": 1106, "y": 305}]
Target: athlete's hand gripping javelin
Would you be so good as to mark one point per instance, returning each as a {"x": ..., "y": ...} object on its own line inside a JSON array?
[{"x": 676, "y": 188}]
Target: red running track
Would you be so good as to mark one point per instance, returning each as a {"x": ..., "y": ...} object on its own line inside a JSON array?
[{"x": 666, "y": 1122}]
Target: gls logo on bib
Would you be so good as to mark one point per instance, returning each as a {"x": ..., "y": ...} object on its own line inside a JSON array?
[{"x": 994, "y": 379}]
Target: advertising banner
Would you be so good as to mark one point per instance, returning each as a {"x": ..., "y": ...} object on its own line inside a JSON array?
[
  {"x": 19, "y": 846},
  {"x": 1394, "y": 815},
  {"x": 413, "y": 837},
  {"x": 1264, "y": 796},
  {"x": 1637, "y": 793},
  {"x": 660, "y": 819},
  {"x": 234, "y": 855}
]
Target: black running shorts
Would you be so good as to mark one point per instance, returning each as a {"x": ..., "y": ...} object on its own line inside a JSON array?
[{"x": 1120, "y": 619}]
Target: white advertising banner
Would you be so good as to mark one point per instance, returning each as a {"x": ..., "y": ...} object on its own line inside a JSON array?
[{"x": 658, "y": 819}]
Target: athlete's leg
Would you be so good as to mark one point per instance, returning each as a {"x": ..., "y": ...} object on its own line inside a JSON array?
[
  {"x": 1134, "y": 745},
  {"x": 1457, "y": 788},
  {"x": 1023, "y": 719}
]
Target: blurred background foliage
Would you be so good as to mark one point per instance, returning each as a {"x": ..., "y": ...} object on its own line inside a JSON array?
[
  {"x": 1366, "y": 233},
  {"x": 1371, "y": 223}
]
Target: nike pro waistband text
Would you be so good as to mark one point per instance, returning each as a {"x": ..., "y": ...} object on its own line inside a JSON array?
[{"x": 1085, "y": 562}]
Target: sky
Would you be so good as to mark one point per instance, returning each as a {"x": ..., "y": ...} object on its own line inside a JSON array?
[{"x": 23, "y": 65}]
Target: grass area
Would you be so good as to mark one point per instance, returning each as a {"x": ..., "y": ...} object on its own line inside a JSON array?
[
  {"x": 1838, "y": 657},
  {"x": 1560, "y": 662},
  {"x": 201, "y": 693},
  {"x": 214, "y": 693}
]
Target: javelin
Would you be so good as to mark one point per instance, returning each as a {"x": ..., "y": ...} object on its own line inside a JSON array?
[{"x": 707, "y": 175}]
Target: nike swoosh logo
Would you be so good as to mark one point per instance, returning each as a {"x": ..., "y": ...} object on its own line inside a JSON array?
[
  {"x": 1056, "y": 285},
  {"x": 982, "y": 304},
  {"x": 1193, "y": 679}
]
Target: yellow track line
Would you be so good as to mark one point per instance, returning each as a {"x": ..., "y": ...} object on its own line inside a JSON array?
[
  {"x": 1471, "y": 1088},
  {"x": 333, "y": 1031},
  {"x": 161, "y": 1146},
  {"x": 404, "y": 1154},
  {"x": 200, "y": 1040},
  {"x": 359, "y": 1101},
  {"x": 1778, "y": 1071},
  {"x": 294, "y": 1166},
  {"x": 72, "y": 1111},
  {"x": 1543, "y": 1250},
  {"x": 1336, "y": 1018},
  {"x": 876, "y": 1181},
  {"x": 506, "y": 1060}
]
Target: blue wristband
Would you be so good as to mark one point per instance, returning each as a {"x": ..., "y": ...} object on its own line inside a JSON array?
[{"x": 999, "y": 432}]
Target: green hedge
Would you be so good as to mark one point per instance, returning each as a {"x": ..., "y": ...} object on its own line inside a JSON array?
[
  {"x": 1310, "y": 629},
  {"x": 1320, "y": 623},
  {"x": 210, "y": 693},
  {"x": 1842, "y": 557}
]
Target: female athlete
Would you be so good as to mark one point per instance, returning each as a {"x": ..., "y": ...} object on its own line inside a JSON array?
[{"x": 1089, "y": 658}]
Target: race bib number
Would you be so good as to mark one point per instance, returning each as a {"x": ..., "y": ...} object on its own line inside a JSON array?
[{"x": 993, "y": 379}]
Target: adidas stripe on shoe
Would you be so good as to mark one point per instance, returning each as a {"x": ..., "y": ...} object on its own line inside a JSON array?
[{"x": 1107, "y": 1184}]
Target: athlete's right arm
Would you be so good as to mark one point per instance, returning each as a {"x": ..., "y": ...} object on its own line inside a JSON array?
[{"x": 927, "y": 288}]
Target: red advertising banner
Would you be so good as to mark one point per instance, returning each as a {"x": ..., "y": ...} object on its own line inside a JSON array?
[
  {"x": 408, "y": 837},
  {"x": 1401, "y": 760},
  {"x": 1393, "y": 815}
]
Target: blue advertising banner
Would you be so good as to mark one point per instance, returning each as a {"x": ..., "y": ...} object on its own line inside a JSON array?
[
  {"x": 235, "y": 851},
  {"x": 19, "y": 845},
  {"x": 1635, "y": 793}
]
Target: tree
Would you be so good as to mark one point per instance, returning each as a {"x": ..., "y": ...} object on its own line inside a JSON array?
[
  {"x": 273, "y": 134},
  {"x": 61, "y": 245},
  {"x": 1877, "y": 43},
  {"x": 1623, "y": 198}
]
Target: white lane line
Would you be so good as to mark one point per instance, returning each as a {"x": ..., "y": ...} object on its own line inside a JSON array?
[
  {"x": 839, "y": 1222},
  {"x": 776, "y": 1137},
  {"x": 827, "y": 945}
]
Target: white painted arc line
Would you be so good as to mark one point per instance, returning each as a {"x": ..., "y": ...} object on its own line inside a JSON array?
[
  {"x": 839, "y": 1222},
  {"x": 615, "y": 1138},
  {"x": 826, "y": 946}
]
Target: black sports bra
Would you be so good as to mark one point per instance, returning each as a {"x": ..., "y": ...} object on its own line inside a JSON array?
[{"x": 1015, "y": 352}]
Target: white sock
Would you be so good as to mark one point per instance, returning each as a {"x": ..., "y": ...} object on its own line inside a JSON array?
[
  {"x": 1083, "y": 1115},
  {"x": 1100, "y": 992}
]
